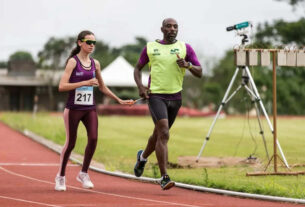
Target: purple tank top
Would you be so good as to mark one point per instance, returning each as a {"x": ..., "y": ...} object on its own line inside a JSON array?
[{"x": 81, "y": 98}]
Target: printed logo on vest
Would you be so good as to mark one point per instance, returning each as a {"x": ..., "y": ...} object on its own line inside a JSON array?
[
  {"x": 156, "y": 52},
  {"x": 175, "y": 51},
  {"x": 79, "y": 73}
]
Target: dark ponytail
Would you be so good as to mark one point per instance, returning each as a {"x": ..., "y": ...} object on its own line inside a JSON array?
[{"x": 80, "y": 36}]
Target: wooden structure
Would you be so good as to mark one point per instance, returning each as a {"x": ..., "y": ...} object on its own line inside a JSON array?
[{"x": 280, "y": 57}]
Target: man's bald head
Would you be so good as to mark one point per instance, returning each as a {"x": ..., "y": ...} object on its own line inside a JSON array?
[
  {"x": 170, "y": 30},
  {"x": 165, "y": 21}
]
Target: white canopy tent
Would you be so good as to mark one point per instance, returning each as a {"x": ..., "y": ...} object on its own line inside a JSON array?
[{"x": 119, "y": 73}]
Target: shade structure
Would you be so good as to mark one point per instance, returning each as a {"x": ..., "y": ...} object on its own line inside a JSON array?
[{"x": 119, "y": 73}]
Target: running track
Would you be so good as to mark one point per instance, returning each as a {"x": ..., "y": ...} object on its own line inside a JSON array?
[{"x": 27, "y": 171}]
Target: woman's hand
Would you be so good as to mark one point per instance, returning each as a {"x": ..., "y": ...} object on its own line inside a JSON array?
[
  {"x": 91, "y": 82},
  {"x": 126, "y": 102}
]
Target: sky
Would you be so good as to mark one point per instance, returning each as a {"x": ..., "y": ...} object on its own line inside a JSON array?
[{"x": 27, "y": 25}]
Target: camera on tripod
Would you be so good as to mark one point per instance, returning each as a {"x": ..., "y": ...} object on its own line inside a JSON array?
[{"x": 241, "y": 30}]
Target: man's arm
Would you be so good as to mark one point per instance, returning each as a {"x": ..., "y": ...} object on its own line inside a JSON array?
[
  {"x": 192, "y": 62},
  {"x": 195, "y": 70},
  {"x": 143, "y": 91},
  {"x": 143, "y": 60}
]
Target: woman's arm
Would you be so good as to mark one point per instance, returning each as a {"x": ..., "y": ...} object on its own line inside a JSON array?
[{"x": 104, "y": 89}]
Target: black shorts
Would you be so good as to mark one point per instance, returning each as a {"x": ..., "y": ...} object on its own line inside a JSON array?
[{"x": 163, "y": 109}]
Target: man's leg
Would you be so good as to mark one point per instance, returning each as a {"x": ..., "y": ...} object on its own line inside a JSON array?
[
  {"x": 172, "y": 111},
  {"x": 151, "y": 144},
  {"x": 161, "y": 144},
  {"x": 158, "y": 111}
]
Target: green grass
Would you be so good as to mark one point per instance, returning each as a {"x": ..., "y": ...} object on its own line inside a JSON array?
[{"x": 120, "y": 137}]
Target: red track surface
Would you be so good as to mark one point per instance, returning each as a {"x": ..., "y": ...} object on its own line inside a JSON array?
[{"x": 27, "y": 172}]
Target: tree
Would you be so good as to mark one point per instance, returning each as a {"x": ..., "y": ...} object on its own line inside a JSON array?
[
  {"x": 21, "y": 56},
  {"x": 281, "y": 32},
  {"x": 55, "y": 52},
  {"x": 53, "y": 56},
  {"x": 3, "y": 64},
  {"x": 132, "y": 51},
  {"x": 293, "y": 2},
  {"x": 290, "y": 80},
  {"x": 104, "y": 54}
]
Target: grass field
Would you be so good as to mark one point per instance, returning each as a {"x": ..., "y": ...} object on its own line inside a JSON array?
[{"x": 120, "y": 138}]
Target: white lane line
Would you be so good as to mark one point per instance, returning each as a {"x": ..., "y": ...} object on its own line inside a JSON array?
[
  {"x": 35, "y": 164},
  {"x": 103, "y": 193},
  {"x": 27, "y": 201}
]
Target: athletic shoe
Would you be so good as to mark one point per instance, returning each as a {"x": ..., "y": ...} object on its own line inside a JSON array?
[
  {"x": 84, "y": 179},
  {"x": 166, "y": 183},
  {"x": 139, "y": 167},
  {"x": 60, "y": 183}
]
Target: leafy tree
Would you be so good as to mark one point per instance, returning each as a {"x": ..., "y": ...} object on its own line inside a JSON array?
[
  {"x": 3, "y": 64},
  {"x": 104, "y": 54},
  {"x": 53, "y": 56},
  {"x": 293, "y": 2},
  {"x": 290, "y": 80},
  {"x": 132, "y": 51},
  {"x": 55, "y": 52},
  {"x": 21, "y": 56},
  {"x": 281, "y": 32}
]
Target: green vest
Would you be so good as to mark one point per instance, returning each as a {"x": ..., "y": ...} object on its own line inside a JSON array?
[{"x": 165, "y": 74}]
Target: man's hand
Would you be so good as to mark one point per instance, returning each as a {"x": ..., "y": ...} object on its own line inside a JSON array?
[
  {"x": 143, "y": 92},
  {"x": 181, "y": 62}
]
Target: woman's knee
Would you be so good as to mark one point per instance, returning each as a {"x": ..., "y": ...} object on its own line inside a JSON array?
[
  {"x": 70, "y": 147},
  {"x": 92, "y": 141}
]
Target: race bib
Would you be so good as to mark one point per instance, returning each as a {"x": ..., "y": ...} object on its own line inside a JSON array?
[{"x": 84, "y": 95}]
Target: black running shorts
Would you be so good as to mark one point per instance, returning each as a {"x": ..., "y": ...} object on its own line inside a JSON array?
[{"x": 163, "y": 109}]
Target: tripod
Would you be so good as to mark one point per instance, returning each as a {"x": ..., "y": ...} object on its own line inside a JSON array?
[{"x": 249, "y": 85}]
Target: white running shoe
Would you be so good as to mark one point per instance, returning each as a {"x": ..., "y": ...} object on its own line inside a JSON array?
[
  {"x": 85, "y": 180},
  {"x": 60, "y": 183}
]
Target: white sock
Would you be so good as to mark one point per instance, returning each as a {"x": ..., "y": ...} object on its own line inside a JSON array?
[{"x": 142, "y": 158}]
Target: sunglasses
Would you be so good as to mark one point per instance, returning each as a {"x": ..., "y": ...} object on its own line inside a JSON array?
[{"x": 89, "y": 42}]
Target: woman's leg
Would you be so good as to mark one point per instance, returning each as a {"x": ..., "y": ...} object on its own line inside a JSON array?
[
  {"x": 71, "y": 119},
  {"x": 90, "y": 121}
]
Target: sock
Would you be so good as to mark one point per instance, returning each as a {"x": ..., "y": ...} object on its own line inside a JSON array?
[{"x": 142, "y": 158}]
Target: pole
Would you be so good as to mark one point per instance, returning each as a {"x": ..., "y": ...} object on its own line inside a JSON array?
[{"x": 274, "y": 112}]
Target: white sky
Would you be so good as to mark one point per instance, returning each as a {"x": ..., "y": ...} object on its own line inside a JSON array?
[{"x": 27, "y": 25}]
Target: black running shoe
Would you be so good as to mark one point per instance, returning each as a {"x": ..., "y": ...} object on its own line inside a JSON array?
[
  {"x": 166, "y": 183},
  {"x": 139, "y": 167}
]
